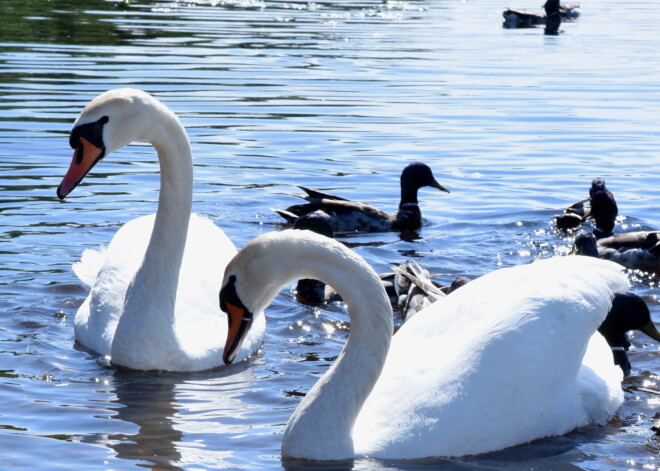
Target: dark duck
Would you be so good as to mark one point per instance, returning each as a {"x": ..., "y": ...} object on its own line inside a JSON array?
[
  {"x": 603, "y": 210},
  {"x": 409, "y": 286},
  {"x": 634, "y": 250},
  {"x": 629, "y": 312},
  {"x": 516, "y": 18},
  {"x": 350, "y": 216}
]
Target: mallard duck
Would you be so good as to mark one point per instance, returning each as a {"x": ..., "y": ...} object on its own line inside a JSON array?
[
  {"x": 628, "y": 312},
  {"x": 635, "y": 250},
  {"x": 525, "y": 18},
  {"x": 573, "y": 216},
  {"x": 411, "y": 288},
  {"x": 603, "y": 210},
  {"x": 348, "y": 216},
  {"x": 569, "y": 11}
]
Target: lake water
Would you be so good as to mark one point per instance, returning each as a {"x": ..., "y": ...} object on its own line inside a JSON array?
[{"x": 330, "y": 95}]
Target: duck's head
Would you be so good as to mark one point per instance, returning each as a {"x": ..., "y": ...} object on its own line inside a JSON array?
[
  {"x": 551, "y": 6},
  {"x": 604, "y": 209},
  {"x": 597, "y": 185},
  {"x": 108, "y": 123},
  {"x": 628, "y": 312},
  {"x": 585, "y": 244},
  {"x": 417, "y": 175}
]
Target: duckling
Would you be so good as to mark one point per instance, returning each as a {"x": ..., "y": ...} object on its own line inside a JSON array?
[
  {"x": 348, "y": 216},
  {"x": 628, "y": 312},
  {"x": 634, "y": 250}
]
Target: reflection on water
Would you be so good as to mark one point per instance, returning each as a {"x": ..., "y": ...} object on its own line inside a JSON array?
[
  {"x": 148, "y": 402},
  {"x": 336, "y": 96}
]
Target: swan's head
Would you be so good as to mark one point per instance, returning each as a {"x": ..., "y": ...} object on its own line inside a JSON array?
[
  {"x": 109, "y": 122},
  {"x": 417, "y": 175},
  {"x": 265, "y": 264},
  {"x": 252, "y": 280}
]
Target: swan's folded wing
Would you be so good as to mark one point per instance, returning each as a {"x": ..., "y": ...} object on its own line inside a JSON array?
[{"x": 493, "y": 365}]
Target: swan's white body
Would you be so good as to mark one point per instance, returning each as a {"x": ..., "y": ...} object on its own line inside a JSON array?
[
  {"x": 153, "y": 301},
  {"x": 498, "y": 363}
]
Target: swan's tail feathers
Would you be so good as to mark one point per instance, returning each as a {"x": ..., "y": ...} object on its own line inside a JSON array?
[{"x": 87, "y": 269}]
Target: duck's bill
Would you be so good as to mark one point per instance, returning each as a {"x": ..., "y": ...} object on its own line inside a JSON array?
[
  {"x": 437, "y": 185},
  {"x": 84, "y": 158},
  {"x": 240, "y": 320},
  {"x": 651, "y": 330}
]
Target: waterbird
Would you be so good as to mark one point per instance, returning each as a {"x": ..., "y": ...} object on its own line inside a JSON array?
[
  {"x": 152, "y": 303},
  {"x": 638, "y": 250},
  {"x": 349, "y": 216},
  {"x": 461, "y": 356}
]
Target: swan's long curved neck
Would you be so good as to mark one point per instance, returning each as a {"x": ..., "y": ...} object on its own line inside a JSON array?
[
  {"x": 321, "y": 426},
  {"x": 146, "y": 327}
]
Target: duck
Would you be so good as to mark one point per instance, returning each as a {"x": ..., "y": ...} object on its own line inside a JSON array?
[
  {"x": 573, "y": 216},
  {"x": 350, "y": 216},
  {"x": 603, "y": 210},
  {"x": 639, "y": 250},
  {"x": 516, "y": 18},
  {"x": 569, "y": 11},
  {"x": 461, "y": 355},
  {"x": 411, "y": 288},
  {"x": 629, "y": 312},
  {"x": 152, "y": 304}
]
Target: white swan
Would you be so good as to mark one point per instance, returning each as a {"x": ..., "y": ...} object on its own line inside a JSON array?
[
  {"x": 498, "y": 363},
  {"x": 153, "y": 298}
]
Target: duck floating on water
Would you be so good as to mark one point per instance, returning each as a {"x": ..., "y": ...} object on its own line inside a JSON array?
[
  {"x": 634, "y": 250},
  {"x": 350, "y": 216},
  {"x": 554, "y": 13},
  {"x": 603, "y": 210},
  {"x": 409, "y": 286}
]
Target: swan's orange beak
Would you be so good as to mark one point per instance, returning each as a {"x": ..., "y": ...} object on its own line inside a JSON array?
[
  {"x": 84, "y": 158},
  {"x": 239, "y": 324},
  {"x": 239, "y": 320}
]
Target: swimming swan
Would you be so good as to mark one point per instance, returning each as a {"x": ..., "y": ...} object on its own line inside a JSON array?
[
  {"x": 153, "y": 298},
  {"x": 510, "y": 357}
]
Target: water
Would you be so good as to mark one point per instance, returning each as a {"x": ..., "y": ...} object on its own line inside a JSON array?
[{"x": 337, "y": 96}]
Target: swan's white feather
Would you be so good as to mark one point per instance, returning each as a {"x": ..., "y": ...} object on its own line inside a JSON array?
[
  {"x": 498, "y": 363},
  {"x": 88, "y": 267},
  {"x": 200, "y": 325}
]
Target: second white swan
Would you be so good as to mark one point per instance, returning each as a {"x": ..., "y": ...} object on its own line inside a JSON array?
[{"x": 510, "y": 357}]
